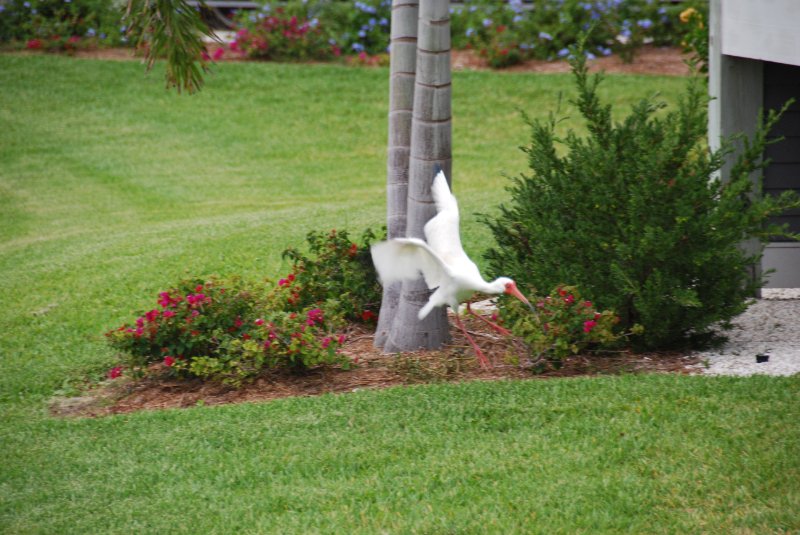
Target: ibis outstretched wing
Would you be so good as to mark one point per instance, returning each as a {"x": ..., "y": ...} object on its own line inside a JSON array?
[
  {"x": 442, "y": 231},
  {"x": 405, "y": 258}
]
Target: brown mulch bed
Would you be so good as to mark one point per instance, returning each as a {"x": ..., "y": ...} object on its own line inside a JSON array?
[
  {"x": 648, "y": 60},
  {"x": 455, "y": 363}
]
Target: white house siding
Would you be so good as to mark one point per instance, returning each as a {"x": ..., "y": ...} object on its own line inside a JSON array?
[{"x": 768, "y": 30}]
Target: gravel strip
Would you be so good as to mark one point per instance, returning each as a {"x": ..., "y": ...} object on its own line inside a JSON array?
[{"x": 770, "y": 328}]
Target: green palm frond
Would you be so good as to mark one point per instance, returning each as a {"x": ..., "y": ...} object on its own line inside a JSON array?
[{"x": 173, "y": 30}]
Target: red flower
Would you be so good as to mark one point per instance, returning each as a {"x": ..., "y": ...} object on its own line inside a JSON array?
[
  {"x": 168, "y": 313},
  {"x": 114, "y": 372},
  {"x": 314, "y": 316},
  {"x": 205, "y": 55},
  {"x": 246, "y": 336},
  {"x": 587, "y": 304},
  {"x": 589, "y": 325},
  {"x": 169, "y": 361},
  {"x": 259, "y": 321},
  {"x": 218, "y": 53},
  {"x": 238, "y": 322},
  {"x": 164, "y": 299},
  {"x": 196, "y": 299},
  {"x": 34, "y": 44},
  {"x": 353, "y": 250},
  {"x": 569, "y": 299},
  {"x": 290, "y": 277},
  {"x": 367, "y": 315}
]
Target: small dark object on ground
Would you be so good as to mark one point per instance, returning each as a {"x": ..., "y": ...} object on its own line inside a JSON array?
[{"x": 762, "y": 358}]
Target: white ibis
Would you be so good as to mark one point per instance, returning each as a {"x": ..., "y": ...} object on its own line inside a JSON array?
[{"x": 443, "y": 263}]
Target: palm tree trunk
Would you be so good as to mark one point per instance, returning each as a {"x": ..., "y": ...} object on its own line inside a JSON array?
[
  {"x": 403, "y": 56},
  {"x": 430, "y": 150}
]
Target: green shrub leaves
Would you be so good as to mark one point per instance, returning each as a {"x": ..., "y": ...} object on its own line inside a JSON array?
[{"x": 636, "y": 215}]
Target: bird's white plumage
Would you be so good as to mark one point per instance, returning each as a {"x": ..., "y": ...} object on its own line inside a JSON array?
[
  {"x": 405, "y": 259},
  {"x": 441, "y": 258}
]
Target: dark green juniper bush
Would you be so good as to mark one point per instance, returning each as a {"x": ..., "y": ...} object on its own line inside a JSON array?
[{"x": 636, "y": 214}]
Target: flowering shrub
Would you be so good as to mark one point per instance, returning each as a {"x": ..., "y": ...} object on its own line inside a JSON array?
[
  {"x": 361, "y": 26},
  {"x": 695, "y": 41},
  {"x": 231, "y": 330},
  {"x": 286, "y": 339},
  {"x": 510, "y": 32},
  {"x": 224, "y": 331},
  {"x": 504, "y": 33},
  {"x": 564, "y": 324},
  {"x": 58, "y": 25},
  {"x": 501, "y": 48},
  {"x": 281, "y": 36},
  {"x": 338, "y": 273},
  {"x": 342, "y": 28}
]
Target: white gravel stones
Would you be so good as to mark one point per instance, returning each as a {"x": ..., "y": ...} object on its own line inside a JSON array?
[{"x": 769, "y": 327}]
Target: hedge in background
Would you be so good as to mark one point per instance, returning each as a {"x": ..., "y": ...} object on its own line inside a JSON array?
[{"x": 61, "y": 25}]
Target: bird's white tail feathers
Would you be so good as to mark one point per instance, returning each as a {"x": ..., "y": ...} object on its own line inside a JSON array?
[{"x": 442, "y": 195}]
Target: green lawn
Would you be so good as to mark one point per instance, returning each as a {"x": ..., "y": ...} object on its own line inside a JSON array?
[{"x": 111, "y": 189}]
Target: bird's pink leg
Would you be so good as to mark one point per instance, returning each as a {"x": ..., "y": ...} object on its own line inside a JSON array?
[
  {"x": 496, "y": 327},
  {"x": 482, "y": 360}
]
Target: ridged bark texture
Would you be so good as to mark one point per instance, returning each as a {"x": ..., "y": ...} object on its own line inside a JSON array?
[
  {"x": 403, "y": 59},
  {"x": 430, "y": 150}
]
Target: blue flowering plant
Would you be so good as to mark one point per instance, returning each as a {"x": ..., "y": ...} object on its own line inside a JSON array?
[
  {"x": 362, "y": 26},
  {"x": 506, "y": 33},
  {"x": 358, "y": 28}
]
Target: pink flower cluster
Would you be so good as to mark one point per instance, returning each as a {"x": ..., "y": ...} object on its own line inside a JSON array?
[
  {"x": 328, "y": 339},
  {"x": 197, "y": 299},
  {"x": 313, "y": 317},
  {"x": 200, "y": 320},
  {"x": 287, "y": 281}
]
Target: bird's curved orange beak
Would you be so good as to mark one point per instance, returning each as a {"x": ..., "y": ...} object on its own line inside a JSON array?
[{"x": 511, "y": 289}]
